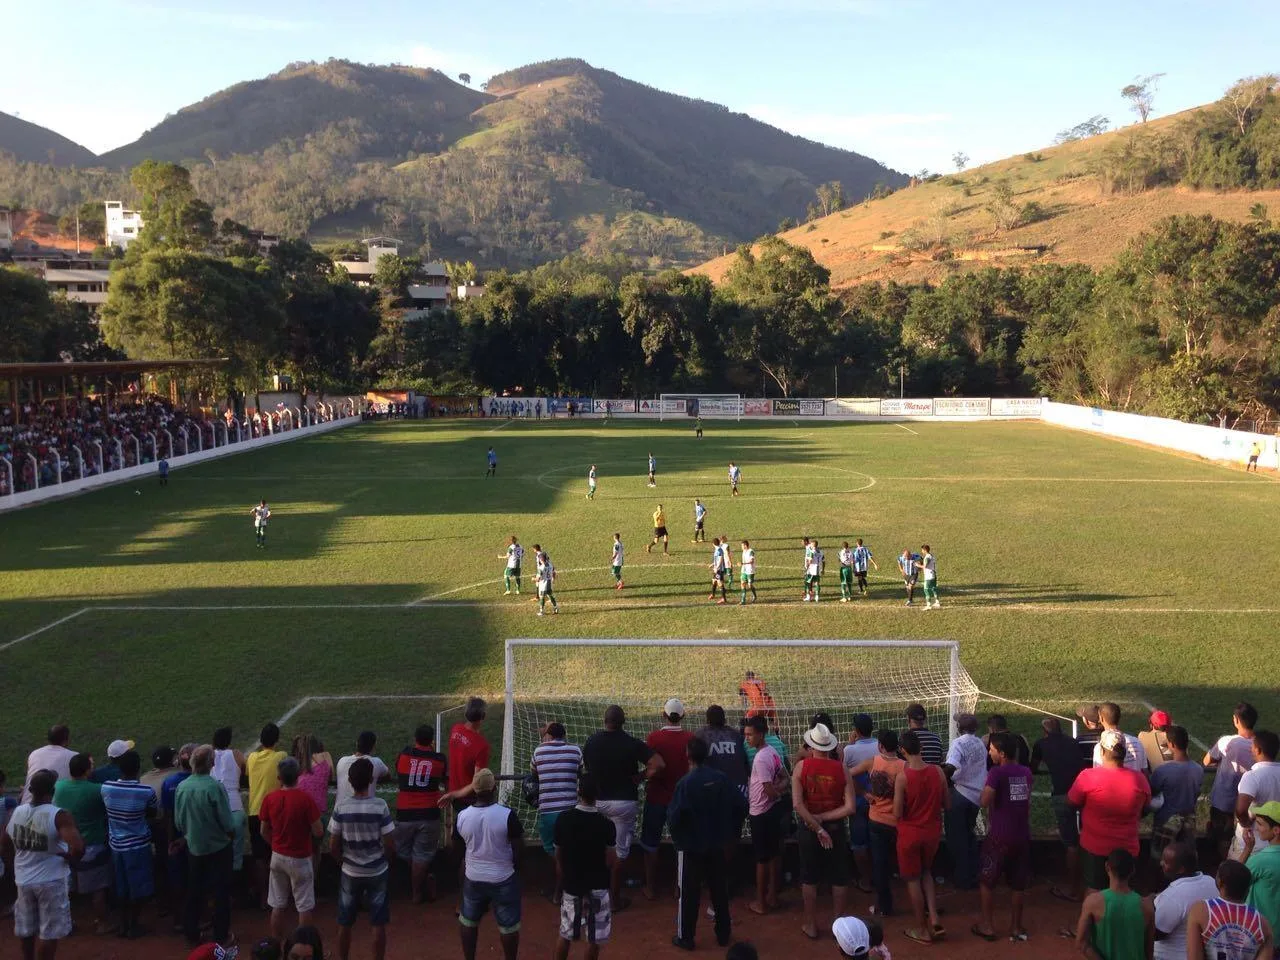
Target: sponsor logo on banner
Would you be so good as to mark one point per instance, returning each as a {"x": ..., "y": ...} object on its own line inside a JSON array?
[
  {"x": 961, "y": 406},
  {"x": 650, "y": 406},
  {"x": 787, "y": 407},
  {"x": 561, "y": 404},
  {"x": 680, "y": 405},
  {"x": 1016, "y": 406},
  {"x": 614, "y": 406},
  {"x": 757, "y": 407},
  {"x": 852, "y": 406},
  {"x": 717, "y": 408},
  {"x": 906, "y": 408}
]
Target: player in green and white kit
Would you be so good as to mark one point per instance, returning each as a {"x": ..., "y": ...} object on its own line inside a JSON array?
[
  {"x": 748, "y": 572},
  {"x": 813, "y": 564},
  {"x": 846, "y": 573},
  {"x": 511, "y": 574},
  {"x": 591, "y": 482},
  {"x": 261, "y": 514},
  {"x": 928, "y": 567},
  {"x": 617, "y": 560},
  {"x": 546, "y": 578}
]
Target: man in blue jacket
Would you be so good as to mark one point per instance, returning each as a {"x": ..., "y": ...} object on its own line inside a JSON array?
[{"x": 703, "y": 810}]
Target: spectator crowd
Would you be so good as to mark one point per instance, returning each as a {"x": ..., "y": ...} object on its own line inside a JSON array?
[{"x": 209, "y": 822}]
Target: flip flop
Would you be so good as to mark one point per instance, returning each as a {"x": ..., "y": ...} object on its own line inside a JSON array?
[
  {"x": 1019, "y": 937},
  {"x": 939, "y": 931},
  {"x": 1066, "y": 933},
  {"x": 811, "y": 936},
  {"x": 758, "y": 910},
  {"x": 977, "y": 932},
  {"x": 917, "y": 936},
  {"x": 1063, "y": 895}
]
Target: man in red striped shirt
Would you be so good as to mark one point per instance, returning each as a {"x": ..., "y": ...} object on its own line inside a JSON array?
[{"x": 421, "y": 770}]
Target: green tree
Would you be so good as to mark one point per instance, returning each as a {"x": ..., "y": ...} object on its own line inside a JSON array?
[
  {"x": 1245, "y": 97},
  {"x": 960, "y": 159},
  {"x": 1004, "y": 211},
  {"x": 669, "y": 319},
  {"x": 394, "y": 274},
  {"x": 172, "y": 214},
  {"x": 1141, "y": 94}
]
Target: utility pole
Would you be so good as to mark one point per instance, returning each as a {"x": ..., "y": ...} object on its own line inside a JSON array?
[
  {"x": 77, "y": 234},
  {"x": 836, "y": 368},
  {"x": 902, "y": 380}
]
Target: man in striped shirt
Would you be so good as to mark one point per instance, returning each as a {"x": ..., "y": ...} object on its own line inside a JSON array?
[
  {"x": 130, "y": 805},
  {"x": 930, "y": 743},
  {"x": 556, "y": 764},
  {"x": 862, "y": 557},
  {"x": 362, "y": 838}
]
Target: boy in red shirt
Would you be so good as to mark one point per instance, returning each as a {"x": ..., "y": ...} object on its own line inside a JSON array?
[
  {"x": 290, "y": 821},
  {"x": 671, "y": 742}
]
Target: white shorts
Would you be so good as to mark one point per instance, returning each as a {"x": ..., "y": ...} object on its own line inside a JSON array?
[
  {"x": 42, "y": 910},
  {"x": 291, "y": 877},
  {"x": 622, "y": 814},
  {"x": 588, "y": 917}
]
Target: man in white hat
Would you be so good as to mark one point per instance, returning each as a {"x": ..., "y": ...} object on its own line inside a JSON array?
[
  {"x": 858, "y": 938},
  {"x": 823, "y": 796},
  {"x": 671, "y": 743},
  {"x": 111, "y": 769}
]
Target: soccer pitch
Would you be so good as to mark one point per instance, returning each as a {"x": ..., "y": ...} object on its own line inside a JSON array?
[{"x": 1070, "y": 567}]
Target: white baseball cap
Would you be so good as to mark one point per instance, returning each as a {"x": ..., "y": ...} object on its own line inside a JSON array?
[
  {"x": 852, "y": 936},
  {"x": 118, "y": 748},
  {"x": 673, "y": 706}
]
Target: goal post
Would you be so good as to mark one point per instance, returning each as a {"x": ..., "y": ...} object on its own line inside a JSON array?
[
  {"x": 713, "y": 406},
  {"x": 573, "y": 680}
]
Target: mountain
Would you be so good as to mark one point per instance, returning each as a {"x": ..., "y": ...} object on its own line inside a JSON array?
[
  {"x": 1071, "y": 204},
  {"x": 551, "y": 159},
  {"x": 32, "y": 143}
]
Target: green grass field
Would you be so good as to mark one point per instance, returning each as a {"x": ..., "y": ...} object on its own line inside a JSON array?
[{"x": 1071, "y": 567}]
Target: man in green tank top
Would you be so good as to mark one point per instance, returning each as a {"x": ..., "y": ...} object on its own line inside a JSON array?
[{"x": 1116, "y": 923}]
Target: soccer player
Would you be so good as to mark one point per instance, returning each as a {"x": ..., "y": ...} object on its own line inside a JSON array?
[
  {"x": 493, "y": 464},
  {"x": 591, "y": 482},
  {"x": 699, "y": 519},
  {"x": 756, "y": 700},
  {"x": 846, "y": 573},
  {"x": 907, "y": 564},
  {"x": 728, "y": 558},
  {"x": 617, "y": 560},
  {"x": 804, "y": 568},
  {"x": 735, "y": 475},
  {"x": 261, "y": 514},
  {"x": 1254, "y": 452},
  {"x": 815, "y": 562},
  {"x": 862, "y": 557},
  {"x": 163, "y": 467},
  {"x": 717, "y": 571},
  {"x": 748, "y": 573},
  {"x": 511, "y": 575},
  {"x": 546, "y": 578},
  {"x": 653, "y": 470},
  {"x": 928, "y": 567},
  {"x": 659, "y": 530},
  {"x": 697, "y": 426}
]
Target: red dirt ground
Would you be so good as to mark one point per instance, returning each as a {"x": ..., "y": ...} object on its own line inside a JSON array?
[{"x": 641, "y": 933}]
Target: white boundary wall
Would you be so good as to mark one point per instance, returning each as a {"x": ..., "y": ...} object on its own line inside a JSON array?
[
  {"x": 148, "y": 470},
  {"x": 833, "y": 408},
  {"x": 1211, "y": 443}
]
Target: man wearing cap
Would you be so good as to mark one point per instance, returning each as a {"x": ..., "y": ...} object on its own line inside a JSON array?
[
  {"x": 130, "y": 805},
  {"x": 111, "y": 769},
  {"x": 1156, "y": 740},
  {"x": 966, "y": 767},
  {"x": 930, "y": 743},
  {"x": 670, "y": 742},
  {"x": 823, "y": 797},
  {"x": 704, "y": 811},
  {"x": 859, "y": 938},
  {"x": 91, "y": 874},
  {"x": 493, "y": 834},
  {"x": 1264, "y": 864}
]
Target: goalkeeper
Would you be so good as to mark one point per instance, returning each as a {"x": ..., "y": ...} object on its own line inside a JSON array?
[{"x": 756, "y": 699}]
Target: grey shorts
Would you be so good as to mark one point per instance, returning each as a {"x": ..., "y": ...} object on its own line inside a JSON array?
[
  {"x": 42, "y": 910},
  {"x": 92, "y": 872},
  {"x": 418, "y": 840}
]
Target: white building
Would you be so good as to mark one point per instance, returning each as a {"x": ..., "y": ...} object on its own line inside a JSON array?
[
  {"x": 123, "y": 226},
  {"x": 433, "y": 289},
  {"x": 6, "y": 230},
  {"x": 470, "y": 291},
  {"x": 84, "y": 281}
]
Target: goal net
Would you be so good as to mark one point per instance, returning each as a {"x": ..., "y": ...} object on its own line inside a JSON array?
[
  {"x": 572, "y": 681},
  {"x": 722, "y": 406}
]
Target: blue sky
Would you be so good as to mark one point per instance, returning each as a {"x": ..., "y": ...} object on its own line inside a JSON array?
[{"x": 908, "y": 82}]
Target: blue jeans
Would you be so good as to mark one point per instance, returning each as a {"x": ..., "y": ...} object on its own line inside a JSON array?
[
  {"x": 884, "y": 843},
  {"x": 352, "y": 890},
  {"x": 478, "y": 896},
  {"x": 962, "y": 842}
]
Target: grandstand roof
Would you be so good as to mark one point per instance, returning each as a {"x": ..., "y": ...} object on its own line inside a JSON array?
[{"x": 9, "y": 370}]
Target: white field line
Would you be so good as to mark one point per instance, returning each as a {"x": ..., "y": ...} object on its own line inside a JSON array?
[
  {"x": 48, "y": 626},
  {"x": 682, "y": 479},
  {"x": 906, "y": 428},
  {"x": 500, "y": 426},
  {"x": 489, "y": 583}
]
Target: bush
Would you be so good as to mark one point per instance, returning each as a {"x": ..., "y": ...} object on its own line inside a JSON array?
[
  {"x": 886, "y": 234},
  {"x": 1033, "y": 157}
]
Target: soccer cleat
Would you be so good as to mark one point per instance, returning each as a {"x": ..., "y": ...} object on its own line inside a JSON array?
[
  {"x": 908, "y": 603},
  {"x": 720, "y": 601},
  {"x": 506, "y": 593},
  {"x": 540, "y": 613},
  {"x": 555, "y": 609},
  {"x": 937, "y": 605},
  {"x": 805, "y": 598}
]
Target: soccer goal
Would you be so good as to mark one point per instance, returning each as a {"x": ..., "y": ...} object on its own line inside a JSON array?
[
  {"x": 721, "y": 406},
  {"x": 572, "y": 681}
]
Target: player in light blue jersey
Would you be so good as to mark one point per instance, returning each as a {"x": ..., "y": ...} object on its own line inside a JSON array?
[
  {"x": 717, "y": 572},
  {"x": 861, "y": 558},
  {"x": 653, "y": 470},
  {"x": 511, "y": 574},
  {"x": 907, "y": 564},
  {"x": 699, "y": 521},
  {"x": 493, "y": 464}
]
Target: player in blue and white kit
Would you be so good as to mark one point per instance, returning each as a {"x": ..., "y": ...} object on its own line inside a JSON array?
[
  {"x": 616, "y": 561},
  {"x": 699, "y": 521},
  {"x": 653, "y": 470},
  {"x": 862, "y": 557},
  {"x": 493, "y": 464},
  {"x": 735, "y": 475},
  {"x": 591, "y": 482},
  {"x": 907, "y": 564},
  {"x": 511, "y": 575},
  {"x": 261, "y": 514},
  {"x": 717, "y": 572},
  {"x": 728, "y": 558}
]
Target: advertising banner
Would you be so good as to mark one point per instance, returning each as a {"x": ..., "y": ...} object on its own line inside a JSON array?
[
  {"x": 906, "y": 408},
  {"x": 853, "y": 406},
  {"x": 614, "y": 406},
  {"x": 715, "y": 407},
  {"x": 650, "y": 406},
  {"x": 757, "y": 407},
  {"x": 514, "y": 406},
  {"x": 789, "y": 407},
  {"x": 1015, "y": 406},
  {"x": 561, "y": 404},
  {"x": 961, "y": 406}
]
